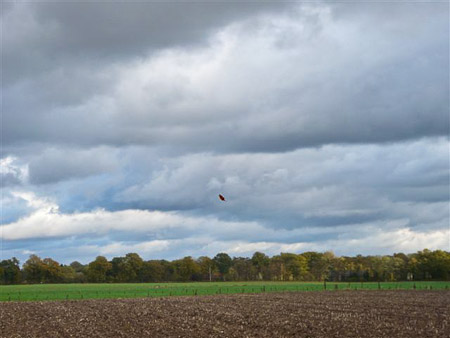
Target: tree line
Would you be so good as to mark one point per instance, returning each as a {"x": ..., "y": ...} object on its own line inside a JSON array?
[{"x": 307, "y": 266}]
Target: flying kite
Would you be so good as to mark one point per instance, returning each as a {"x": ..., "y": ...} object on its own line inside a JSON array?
[{"x": 221, "y": 197}]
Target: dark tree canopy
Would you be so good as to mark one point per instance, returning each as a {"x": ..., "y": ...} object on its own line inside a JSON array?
[{"x": 307, "y": 266}]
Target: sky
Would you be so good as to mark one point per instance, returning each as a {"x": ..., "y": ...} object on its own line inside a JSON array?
[{"x": 324, "y": 124}]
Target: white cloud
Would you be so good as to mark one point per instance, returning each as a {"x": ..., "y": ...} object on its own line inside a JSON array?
[
  {"x": 12, "y": 172},
  {"x": 47, "y": 222},
  {"x": 42, "y": 205},
  {"x": 378, "y": 242},
  {"x": 180, "y": 234},
  {"x": 143, "y": 248}
]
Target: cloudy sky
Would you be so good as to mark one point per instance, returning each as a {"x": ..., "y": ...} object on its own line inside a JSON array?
[{"x": 325, "y": 125}]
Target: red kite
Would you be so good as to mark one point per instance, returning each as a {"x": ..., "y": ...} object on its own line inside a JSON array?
[{"x": 221, "y": 197}]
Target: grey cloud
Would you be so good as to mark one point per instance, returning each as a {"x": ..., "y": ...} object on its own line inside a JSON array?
[
  {"x": 241, "y": 92},
  {"x": 63, "y": 34},
  {"x": 333, "y": 185},
  {"x": 59, "y": 164},
  {"x": 9, "y": 179}
]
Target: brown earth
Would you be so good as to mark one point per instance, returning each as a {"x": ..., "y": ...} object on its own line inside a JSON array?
[{"x": 303, "y": 314}]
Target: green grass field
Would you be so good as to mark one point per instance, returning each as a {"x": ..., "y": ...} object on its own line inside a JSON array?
[{"x": 98, "y": 291}]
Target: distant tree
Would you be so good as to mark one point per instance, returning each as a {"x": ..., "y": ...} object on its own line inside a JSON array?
[
  {"x": 401, "y": 266},
  {"x": 98, "y": 269},
  {"x": 126, "y": 269},
  {"x": 77, "y": 266},
  {"x": 319, "y": 264},
  {"x": 382, "y": 268},
  {"x": 53, "y": 273},
  {"x": 152, "y": 271},
  {"x": 296, "y": 266},
  {"x": 114, "y": 274},
  {"x": 80, "y": 272},
  {"x": 276, "y": 268},
  {"x": 135, "y": 263},
  {"x": 243, "y": 268},
  {"x": 10, "y": 271},
  {"x": 34, "y": 269},
  {"x": 440, "y": 265},
  {"x": 68, "y": 274},
  {"x": 337, "y": 269},
  {"x": 432, "y": 264},
  {"x": 207, "y": 267},
  {"x": 308, "y": 266},
  {"x": 289, "y": 266},
  {"x": 261, "y": 263},
  {"x": 413, "y": 267},
  {"x": 223, "y": 262},
  {"x": 187, "y": 269},
  {"x": 170, "y": 271}
]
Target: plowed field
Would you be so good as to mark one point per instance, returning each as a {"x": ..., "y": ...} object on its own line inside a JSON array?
[{"x": 291, "y": 314}]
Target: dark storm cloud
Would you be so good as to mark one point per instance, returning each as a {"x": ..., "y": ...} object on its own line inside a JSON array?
[
  {"x": 236, "y": 91},
  {"x": 45, "y": 35}
]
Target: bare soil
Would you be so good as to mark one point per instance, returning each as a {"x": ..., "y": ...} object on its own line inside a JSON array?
[{"x": 303, "y": 314}]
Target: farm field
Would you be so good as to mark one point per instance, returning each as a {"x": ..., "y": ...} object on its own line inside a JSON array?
[
  {"x": 399, "y": 313},
  {"x": 39, "y": 292}
]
